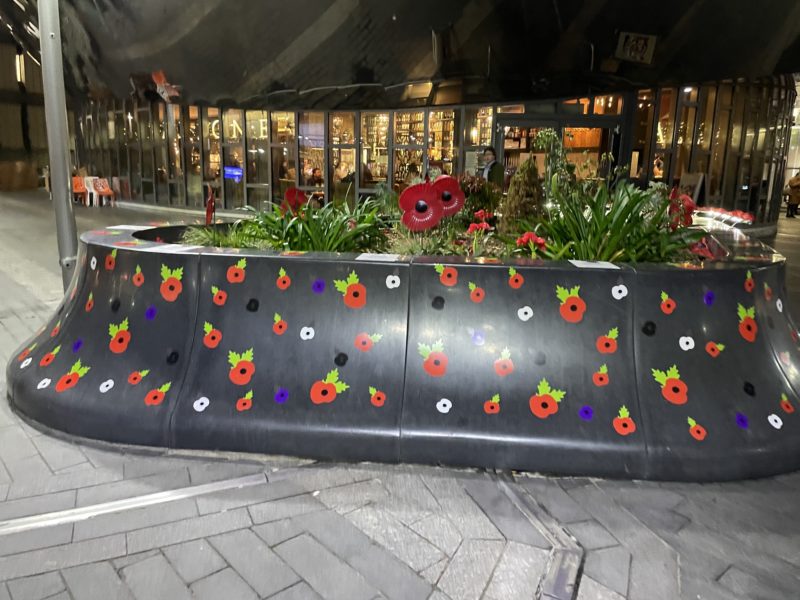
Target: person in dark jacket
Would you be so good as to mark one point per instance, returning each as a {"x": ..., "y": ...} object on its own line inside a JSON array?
[{"x": 493, "y": 170}]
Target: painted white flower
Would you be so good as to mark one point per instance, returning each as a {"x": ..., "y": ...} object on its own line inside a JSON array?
[
  {"x": 93, "y": 263},
  {"x": 307, "y": 333},
  {"x": 43, "y": 383},
  {"x": 779, "y": 305},
  {"x": 775, "y": 421},
  {"x": 392, "y": 282},
  {"x": 444, "y": 405},
  {"x": 201, "y": 404},
  {"x": 106, "y": 385},
  {"x": 25, "y": 363},
  {"x": 525, "y": 313},
  {"x": 618, "y": 292},
  {"x": 686, "y": 343}
]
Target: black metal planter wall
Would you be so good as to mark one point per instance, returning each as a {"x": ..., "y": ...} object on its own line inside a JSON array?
[{"x": 660, "y": 372}]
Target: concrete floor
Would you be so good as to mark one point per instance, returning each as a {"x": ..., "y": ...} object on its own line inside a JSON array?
[{"x": 81, "y": 522}]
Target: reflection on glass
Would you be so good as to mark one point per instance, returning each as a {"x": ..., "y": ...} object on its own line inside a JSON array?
[
  {"x": 211, "y": 145},
  {"x": 343, "y": 175},
  {"x": 477, "y": 135},
  {"x": 512, "y": 108},
  {"x": 342, "y": 128},
  {"x": 233, "y": 175},
  {"x": 312, "y": 149},
  {"x": 518, "y": 146},
  {"x": 689, "y": 94},
  {"x": 660, "y": 166},
  {"x": 666, "y": 118},
  {"x": 737, "y": 117},
  {"x": 407, "y": 168},
  {"x": 257, "y": 146},
  {"x": 577, "y": 106},
  {"x": 642, "y": 134},
  {"x": 282, "y": 127},
  {"x": 232, "y": 125},
  {"x": 374, "y": 149},
  {"x": 258, "y": 197},
  {"x": 585, "y": 147},
  {"x": 442, "y": 138},
  {"x": 174, "y": 140}
]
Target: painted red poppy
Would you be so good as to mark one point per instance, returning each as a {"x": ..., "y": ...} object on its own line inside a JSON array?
[
  {"x": 421, "y": 207},
  {"x": 449, "y": 192}
]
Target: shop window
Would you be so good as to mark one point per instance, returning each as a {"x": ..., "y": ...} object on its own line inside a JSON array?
[
  {"x": 409, "y": 128},
  {"x": 374, "y": 149},
  {"x": 689, "y": 95},
  {"x": 233, "y": 175},
  {"x": 342, "y": 128},
  {"x": 160, "y": 153},
  {"x": 194, "y": 168},
  {"x": 257, "y": 146},
  {"x": 666, "y": 118},
  {"x": 585, "y": 147},
  {"x": 442, "y": 142},
  {"x": 660, "y": 167},
  {"x": 608, "y": 105},
  {"x": 518, "y": 109},
  {"x": 174, "y": 139},
  {"x": 343, "y": 175},
  {"x": 518, "y": 146},
  {"x": 718, "y": 153},
  {"x": 258, "y": 197},
  {"x": 577, "y": 106},
  {"x": 408, "y": 167},
  {"x": 212, "y": 145},
  {"x": 642, "y": 134},
  {"x": 706, "y": 120},
  {"x": 282, "y": 131},
  {"x": 684, "y": 140},
  {"x": 477, "y": 135},
  {"x": 312, "y": 149},
  {"x": 737, "y": 117},
  {"x": 232, "y": 126}
]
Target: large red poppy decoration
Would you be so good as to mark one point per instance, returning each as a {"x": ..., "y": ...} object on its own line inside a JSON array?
[
  {"x": 293, "y": 199},
  {"x": 421, "y": 207},
  {"x": 449, "y": 192}
]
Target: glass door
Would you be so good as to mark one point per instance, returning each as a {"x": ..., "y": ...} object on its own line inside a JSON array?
[{"x": 514, "y": 143}]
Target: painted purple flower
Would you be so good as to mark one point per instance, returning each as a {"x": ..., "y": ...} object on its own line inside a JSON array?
[
  {"x": 741, "y": 420},
  {"x": 282, "y": 395},
  {"x": 77, "y": 345},
  {"x": 150, "y": 313},
  {"x": 586, "y": 413},
  {"x": 478, "y": 337},
  {"x": 318, "y": 286},
  {"x": 708, "y": 298}
]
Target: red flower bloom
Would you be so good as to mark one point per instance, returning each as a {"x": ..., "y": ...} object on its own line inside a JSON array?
[
  {"x": 449, "y": 193},
  {"x": 293, "y": 199},
  {"x": 475, "y": 227},
  {"x": 681, "y": 209},
  {"x": 421, "y": 207},
  {"x": 529, "y": 238}
]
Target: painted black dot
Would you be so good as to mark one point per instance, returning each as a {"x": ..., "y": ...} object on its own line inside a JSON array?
[
  {"x": 243, "y": 370},
  {"x": 438, "y": 303},
  {"x": 115, "y": 305},
  {"x": 172, "y": 358},
  {"x": 356, "y": 294},
  {"x": 324, "y": 392},
  {"x": 749, "y": 389},
  {"x": 341, "y": 359},
  {"x": 545, "y": 405},
  {"x": 540, "y": 358},
  {"x": 252, "y": 305},
  {"x": 437, "y": 362},
  {"x": 649, "y": 328},
  {"x": 770, "y": 322}
]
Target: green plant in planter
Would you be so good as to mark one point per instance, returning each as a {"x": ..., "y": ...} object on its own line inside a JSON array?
[
  {"x": 326, "y": 229},
  {"x": 479, "y": 195},
  {"x": 525, "y": 198}
]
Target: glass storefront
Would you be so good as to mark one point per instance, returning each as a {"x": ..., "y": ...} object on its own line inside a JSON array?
[{"x": 733, "y": 133}]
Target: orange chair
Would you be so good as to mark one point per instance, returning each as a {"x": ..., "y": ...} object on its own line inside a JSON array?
[
  {"x": 79, "y": 189},
  {"x": 102, "y": 189}
]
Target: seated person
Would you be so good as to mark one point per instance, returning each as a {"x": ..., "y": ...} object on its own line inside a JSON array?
[{"x": 316, "y": 177}]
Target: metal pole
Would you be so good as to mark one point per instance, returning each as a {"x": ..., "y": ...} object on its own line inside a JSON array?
[{"x": 55, "y": 108}]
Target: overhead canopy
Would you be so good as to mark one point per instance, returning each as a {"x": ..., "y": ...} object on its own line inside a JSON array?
[{"x": 365, "y": 53}]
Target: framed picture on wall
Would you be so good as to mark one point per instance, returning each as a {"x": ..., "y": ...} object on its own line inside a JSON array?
[{"x": 636, "y": 47}]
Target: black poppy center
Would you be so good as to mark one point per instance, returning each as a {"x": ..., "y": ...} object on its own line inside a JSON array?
[
  {"x": 355, "y": 294},
  {"x": 447, "y": 196},
  {"x": 421, "y": 206},
  {"x": 625, "y": 425},
  {"x": 675, "y": 389},
  {"x": 573, "y": 308},
  {"x": 545, "y": 405},
  {"x": 436, "y": 362},
  {"x": 242, "y": 370},
  {"x": 324, "y": 392},
  {"x": 171, "y": 287}
]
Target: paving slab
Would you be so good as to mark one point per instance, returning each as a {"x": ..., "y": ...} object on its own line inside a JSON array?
[
  {"x": 194, "y": 560},
  {"x": 471, "y": 569},
  {"x": 223, "y": 584},
  {"x": 61, "y": 557},
  {"x": 155, "y": 579},
  {"x": 97, "y": 581},
  {"x": 518, "y": 573},
  {"x": 136, "y": 518},
  {"x": 188, "y": 529},
  {"x": 36, "y": 587}
]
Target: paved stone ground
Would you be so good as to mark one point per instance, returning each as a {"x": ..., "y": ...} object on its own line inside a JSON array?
[{"x": 310, "y": 530}]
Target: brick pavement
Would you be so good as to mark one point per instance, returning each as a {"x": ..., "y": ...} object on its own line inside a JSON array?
[{"x": 352, "y": 531}]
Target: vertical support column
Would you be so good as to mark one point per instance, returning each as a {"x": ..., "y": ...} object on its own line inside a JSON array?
[{"x": 55, "y": 106}]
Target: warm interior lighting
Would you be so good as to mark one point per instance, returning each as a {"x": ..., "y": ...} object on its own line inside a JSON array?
[{"x": 20, "y": 68}]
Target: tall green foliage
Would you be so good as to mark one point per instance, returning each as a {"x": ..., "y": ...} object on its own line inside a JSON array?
[{"x": 525, "y": 199}]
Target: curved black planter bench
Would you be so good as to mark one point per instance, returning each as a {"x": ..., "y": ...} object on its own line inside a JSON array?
[{"x": 556, "y": 367}]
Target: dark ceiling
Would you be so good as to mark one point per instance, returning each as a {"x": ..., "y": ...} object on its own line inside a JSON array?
[{"x": 339, "y": 53}]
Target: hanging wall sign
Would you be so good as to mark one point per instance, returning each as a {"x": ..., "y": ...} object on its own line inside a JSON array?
[{"x": 636, "y": 47}]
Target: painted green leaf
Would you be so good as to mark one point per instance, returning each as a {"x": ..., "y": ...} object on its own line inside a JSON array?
[
  {"x": 165, "y": 273},
  {"x": 623, "y": 412},
  {"x": 332, "y": 376},
  {"x": 233, "y": 358},
  {"x": 438, "y": 268},
  {"x": 672, "y": 372},
  {"x": 424, "y": 349},
  {"x": 207, "y": 327},
  {"x": 165, "y": 388},
  {"x": 613, "y": 333},
  {"x": 659, "y": 376},
  {"x": 544, "y": 387},
  {"x": 282, "y": 272},
  {"x": 512, "y": 271},
  {"x": 248, "y": 355},
  {"x": 562, "y": 293},
  {"x": 341, "y": 286},
  {"x": 352, "y": 279},
  {"x": 242, "y": 264},
  {"x": 372, "y": 391},
  {"x": 144, "y": 373}
]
